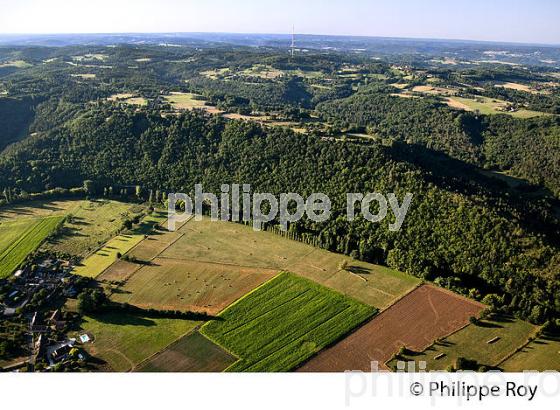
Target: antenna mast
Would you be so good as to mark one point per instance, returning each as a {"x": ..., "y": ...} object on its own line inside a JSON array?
[{"x": 293, "y": 40}]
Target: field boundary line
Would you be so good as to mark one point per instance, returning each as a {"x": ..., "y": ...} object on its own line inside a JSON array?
[
  {"x": 116, "y": 260},
  {"x": 458, "y": 295},
  {"x": 249, "y": 293},
  {"x": 150, "y": 260},
  {"x": 226, "y": 308},
  {"x": 211, "y": 339}
]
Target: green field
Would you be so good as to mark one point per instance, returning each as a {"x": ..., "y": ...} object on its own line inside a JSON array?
[
  {"x": 19, "y": 238},
  {"x": 262, "y": 71},
  {"x": 472, "y": 342},
  {"x": 124, "y": 340},
  {"x": 150, "y": 222},
  {"x": 490, "y": 106},
  {"x": 91, "y": 224},
  {"x": 189, "y": 101},
  {"x": 284, "y": 322},
  {"x": 95, "y": 264},
  {"x": 540, "y": 355},
  {"x": 129, "y": 99},
  {"x": 191, "y": 353},
  {"x": 16, "y": 64}
]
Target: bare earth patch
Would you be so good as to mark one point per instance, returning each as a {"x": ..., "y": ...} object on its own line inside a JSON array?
[{"x": 424, "y": 315}]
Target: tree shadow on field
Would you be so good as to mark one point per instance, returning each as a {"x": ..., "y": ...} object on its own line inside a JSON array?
[
  {"x": 487, "y": 324},
  {"x": 503, "y": 318},
  {"x": 76, "y": 220},
  {"x": 444, "y": 343},
  {"x": 66, "y": 232},
  {"x": 124, "y": 319},
  {"x": 121, "y": 291},
  {"x": 358, "y": 270}
]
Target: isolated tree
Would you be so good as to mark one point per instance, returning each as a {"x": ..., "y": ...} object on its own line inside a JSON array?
[
  {"x": 91, "y": 301},
  {"x": 89, "y": 187}
]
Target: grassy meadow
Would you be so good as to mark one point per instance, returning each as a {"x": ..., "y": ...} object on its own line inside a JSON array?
[
  {"x": 541, "y": 355},
  {"x": 124, "y": 340},
  {"x": 490, "y": 106},
  {"x": 95, "y": 264},
  {"x": 235, "y": 244},
  {"x": 188, "y": 101},
  {"x": 91, "y": 223}
]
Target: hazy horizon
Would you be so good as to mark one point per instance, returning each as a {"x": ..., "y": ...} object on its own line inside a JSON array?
[
  {"x": 474, "y": 20},
  {"x": 287, "y": 35}
]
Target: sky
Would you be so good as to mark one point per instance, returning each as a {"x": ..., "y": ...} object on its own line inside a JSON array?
[{"x": 525, "y": 21}]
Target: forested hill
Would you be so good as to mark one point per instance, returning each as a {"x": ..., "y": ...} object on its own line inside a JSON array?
[
  {"x": 461, "y": 233},
  {"x": 527, "y": 148},
  {"x": 16, "y": 116}
]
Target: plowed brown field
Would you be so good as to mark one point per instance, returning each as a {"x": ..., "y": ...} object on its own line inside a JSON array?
[{"x": 415, "y": 321}]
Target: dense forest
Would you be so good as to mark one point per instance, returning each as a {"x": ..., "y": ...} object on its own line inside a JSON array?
[{"x": 529, "y": 148}]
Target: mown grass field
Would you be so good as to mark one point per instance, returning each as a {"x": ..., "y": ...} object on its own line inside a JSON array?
[
  {"x": 188, "y": 101},
  {"x": 18, "y": 239},
  {"x": 16, "y": 64},
  {"x": 91, "y": 224},
  {"x": 95, "y": 264},
  {"x": 129, "y": 99},
  {"x": 540, "y": 355},
  {"x": 284, "y": 322},
  {"x": 191, "y": 353},
  {"x": 188, "y": 285},
  {"x": 472, "y": 342},
  {"x": 124, "y": 340},
  {"x": 107, "y": 255},
  {"x": 262, "y": 71},
  {"x": 490, "y": 106},
  {"x": 235, "y": 244}
]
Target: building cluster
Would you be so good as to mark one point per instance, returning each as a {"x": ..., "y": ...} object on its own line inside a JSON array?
[{"x": 33, "y": 293}]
